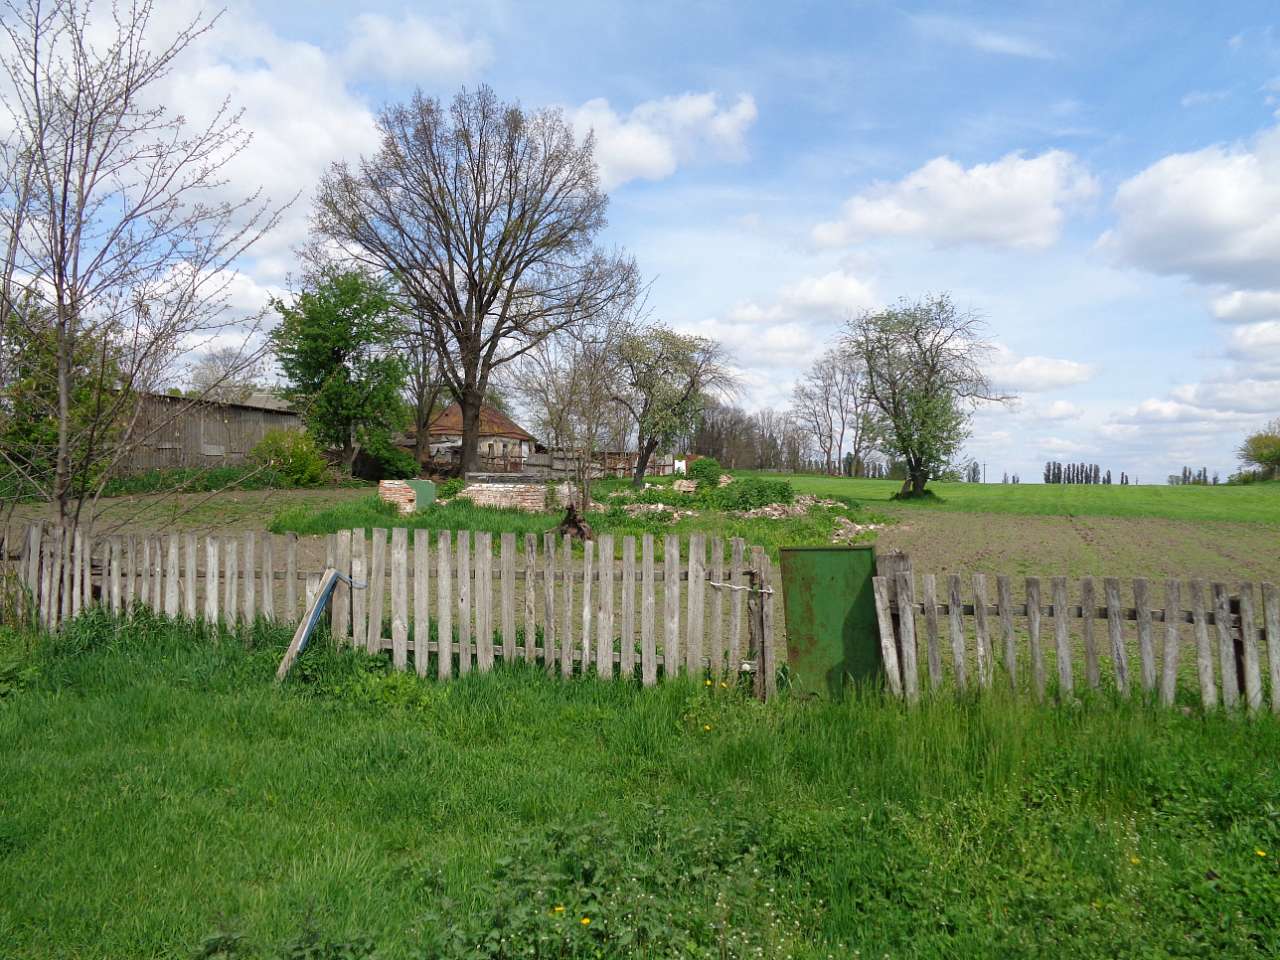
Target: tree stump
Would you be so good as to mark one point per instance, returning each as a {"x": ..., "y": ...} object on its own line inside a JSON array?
[{"x": 574, "y": 525}]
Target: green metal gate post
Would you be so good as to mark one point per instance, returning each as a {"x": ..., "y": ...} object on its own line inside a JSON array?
[{"x": 832, "y": 633}]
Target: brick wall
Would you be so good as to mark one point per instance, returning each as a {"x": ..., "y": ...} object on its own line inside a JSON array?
[
  {"x": 399, "y": 493},
  {"x": 523, "y": 496}
]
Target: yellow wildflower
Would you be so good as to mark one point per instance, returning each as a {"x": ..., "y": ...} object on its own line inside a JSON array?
[
  {"x": 585, "y": 921},
  {"x": 1135, "y": 860},
  {"x": 707, "y": 682},
  {"x": 706, "y": 726},
  {"x": 1261, "y": 853},
  {"x": 559, "y": 908}
]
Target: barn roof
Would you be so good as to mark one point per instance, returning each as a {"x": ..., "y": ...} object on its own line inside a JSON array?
[{"x": 493, "y": 423}]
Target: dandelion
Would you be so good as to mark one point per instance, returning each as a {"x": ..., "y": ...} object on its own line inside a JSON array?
[
  {"x": 706, "y": 726},
  {"x": 707, "y": 683},
  {"x": 1261, "y": 853},
  {"x": 559, "y": 908},
  {"x": 1135, "y": 860},
  {"x": 585, "y": 921}
]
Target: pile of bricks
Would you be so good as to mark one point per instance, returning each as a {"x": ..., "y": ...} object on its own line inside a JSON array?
[
  {"x": 399, "y": 493},
  {"x": 531, "y": 497}
]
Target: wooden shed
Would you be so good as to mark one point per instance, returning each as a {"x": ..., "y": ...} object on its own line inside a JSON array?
[{"x": 178, "y": 432}]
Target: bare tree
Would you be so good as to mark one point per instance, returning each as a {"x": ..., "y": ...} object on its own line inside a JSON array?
[
  {"x": 664, "y": 379},
  {"x": 816, "y": 403},
  {"x": 831, "y": 401},
  {"x": 485, "y": 214},
  {"x": 119, "y": 241},
  {"x": 228, "y": 374},
  {"x": 424, "y": 385},
  {"x": 924, "y": 372}
]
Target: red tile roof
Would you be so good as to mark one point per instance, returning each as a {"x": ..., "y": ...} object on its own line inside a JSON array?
[{"x": 493, "y": 423}]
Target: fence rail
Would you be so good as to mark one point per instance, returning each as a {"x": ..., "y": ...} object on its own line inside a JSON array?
[
  {"x": 1084, "y": 634},
  {"x": 606, "y": 606}
]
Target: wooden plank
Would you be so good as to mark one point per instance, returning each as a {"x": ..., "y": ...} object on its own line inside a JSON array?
[
  {"x": 530, "y": 598},
  {"x": 211, "y": 567},
  {"x": 462, "y": 553},
  {"x": 399, "y": 596},
  {"x": 1115, "y": 632},
  {"x": 933, "y": 648},
  {"x": 628, "y": 652},
  {"x": 359, "y": 598},
  {"x": 144, "y": 579},
  {"x": 566, "y": 612},
  {"x": 313, "y": 585},
  {"x": 484, "y": 601},
  {"x": 768, "y": 664},
  {"x": 1271, "y": 620},
  {"x": 1146, "y": 648},
  {"x": 421, "y": 600},
  {"x": 66, "y": 573},
  {"x": 1004, "y": 603},
  {"x": 955, "y": 622},
  {"x": 907, "y": 634},
  {"x": 604, "y": 610},
  {"x": 231, "y": 583},
  {"x": 1226, "y": 649},
  {"x": 91, "y": 546},
  {"x": 696, "y": 603},
  {"x": 193, "y": 573},
  {"x": 340, "y": 602},
  {"x": 715, "y": 633},
  {"x": 1033, "y": 635},
  {"x": 172, "y": 586},
  {"x": 130, "y": 572},
  {"x": 549, "y": 647},
  {"x": 268, "y": 592},
  {"x": 117, "y": 599},
  {"x": 377, "y": 589},
  {"x": 1089, "y": 610},
  {"x": 46, "y": 578},
  {"x": 981, "y": 630},
  {"x": 444, "y": 605},
  {"x": 737, "y": 604},
  {"x": 671, "y": 598},
  {"x": 648, "y": 647},
  {"x": 507, "y": 572},
  {"x": 157, "y": 575},
  {"x": 1172, "y": 641},
  {"x": 294, "y": 648},
  {"x": 888, "y": 643},
  {"x": 1249, "y": 639},
  {"x": 1204, "y": 649},
  {"x": 1062, "y": 637},
  {"x": 291, "y": 576},
  {"x": 250, "y": 578},
  {"x": 588, "y": 571}
]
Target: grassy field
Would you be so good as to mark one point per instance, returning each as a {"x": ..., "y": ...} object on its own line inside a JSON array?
[
  {"x": 160, "y": 797},
  {"x": 1253, "y": 503}
]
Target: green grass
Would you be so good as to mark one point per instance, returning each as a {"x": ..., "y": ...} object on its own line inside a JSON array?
[
  {"x": 817, "y": 526},
  {"x": 1253, "y": 503},
  {"x": 157, "y": 788}
]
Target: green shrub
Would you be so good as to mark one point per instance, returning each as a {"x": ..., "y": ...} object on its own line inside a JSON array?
[
  {"x": 747, "y": 493},
  {"x": 197, "y": 480},
  {"x": 705, "y": 470},
  {"x": 450, "y": 488},
  {"x": 292, "y": 454},
  {"x": 393, "y": 463}
]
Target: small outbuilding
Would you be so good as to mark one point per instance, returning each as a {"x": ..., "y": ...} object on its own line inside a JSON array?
[{"x": 504, "y": 444}]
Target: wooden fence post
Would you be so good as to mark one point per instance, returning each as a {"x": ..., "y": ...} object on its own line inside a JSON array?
[
  {"x": 189, "y": 585},
  {"x": 399, "y": 595},
  {"x": 444, "y": 606},
  {"x": 648, "y": 605},
  {"x": 211, "y": 580},
  {"x": 463, "y": 557},
  {"x": 1062, "y": 638},
  {"x": 421, "y": 600},
  {"x": 269, "y": 576},
  {"x": 1204, "y": 648},
  {"x": 549, "y": 602},
  {"x": 340, "y": 605},
  {"x": 671, "y": 604},
  {"x": 1249, "y": 640},
  {"x": 604, "y": 610},
  {"x": 1271, "y": 617},
  {"x": 291, "y": 576},
  {"x": 377, "y": 589},
  {"x": 627, "y": 651},
  {"x": 250, "y": 578},
  {"x": 530, "y": 651},
  {"x": 172, "y": 588},
  {"x": 507, "y": 590},
  {"x": 484, "y": 601},
  {"x": 696, "y": 609},
  {"x": 768, "y": 662},
  {"x": 1226, "y": 649}
]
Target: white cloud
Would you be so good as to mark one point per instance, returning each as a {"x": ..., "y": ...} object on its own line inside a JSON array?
[
  {"x": 982, "y": 38},
  {"x": 1212, "y": 215},
  {"x": 1246, "y": 395},
  {"x": 1247, "y": 306},
  {"x": 1032, "y": 374},
  {"x": 412, "y": 48},
  {"x": 1062, "y": 410},
  {"x": 651, "y": 141},
  {"x": 1016, "y": 201}
]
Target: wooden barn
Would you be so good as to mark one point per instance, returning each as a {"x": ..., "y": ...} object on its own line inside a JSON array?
[{"x": 183, "y": 432}]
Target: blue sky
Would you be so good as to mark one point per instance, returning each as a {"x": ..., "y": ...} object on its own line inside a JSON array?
[{"x": 1100, "y": 181}]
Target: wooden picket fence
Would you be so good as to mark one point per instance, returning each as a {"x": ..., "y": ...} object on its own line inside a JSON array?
[
  {"x": 586, "y": 608},
  {"x": 1220, "y": 630}
]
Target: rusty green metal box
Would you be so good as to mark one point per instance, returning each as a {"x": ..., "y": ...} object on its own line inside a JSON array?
[{"x": 832, "y": 636}]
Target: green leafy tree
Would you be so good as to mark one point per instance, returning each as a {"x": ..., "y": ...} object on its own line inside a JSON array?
[
  {"x": 664, "y": 379},
  {"x": 1262, "y": 449},
  {"x": 924, "y": 374},
  {"x": 334, "y": 346}
]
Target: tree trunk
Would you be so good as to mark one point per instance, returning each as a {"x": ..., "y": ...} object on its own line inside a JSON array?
[
  {"x": 471, "y": 400},
  {"x": 642, "y": 462},
  {"x": 919, "y": 478},
  {"x": 349, "y": 450}
]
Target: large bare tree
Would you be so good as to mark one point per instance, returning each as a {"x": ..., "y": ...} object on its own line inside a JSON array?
[
  {"x": 486, "y": 215},
  {"x": 831, "y": 401},
  {"x": 119, "y": 238}
]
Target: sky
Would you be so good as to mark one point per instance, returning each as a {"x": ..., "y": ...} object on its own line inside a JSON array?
[{"x": 1100, "y": 182}]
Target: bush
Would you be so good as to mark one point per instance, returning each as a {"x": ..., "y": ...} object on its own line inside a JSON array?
[
  {"x": 705, "y": 470},
  {"x": 747, "y": 493},
  {"x": 390, "y": 462},
  {"x": 292, "y": 454},
  {"x": 450, "y": 488}
]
